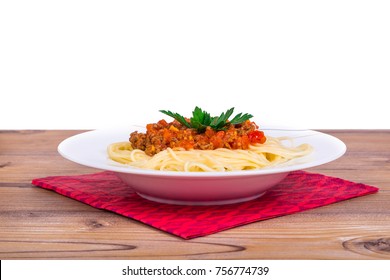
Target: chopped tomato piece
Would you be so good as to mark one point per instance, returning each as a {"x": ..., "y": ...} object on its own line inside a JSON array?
[{"x": 256, "y": 136}]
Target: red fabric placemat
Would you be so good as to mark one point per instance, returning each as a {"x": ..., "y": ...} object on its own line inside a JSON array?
[{"x": 299, "y": 191}]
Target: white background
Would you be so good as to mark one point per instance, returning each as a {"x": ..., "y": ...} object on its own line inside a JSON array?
[{"x": 79, "y": 64}]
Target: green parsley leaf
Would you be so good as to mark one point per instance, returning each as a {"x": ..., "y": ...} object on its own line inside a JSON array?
[
  {"x": 201, "y": 119},
  {"x": 177, "y": 117},
  {"x": 220, "y": 122},
  {"x": 239, "y": 118}
]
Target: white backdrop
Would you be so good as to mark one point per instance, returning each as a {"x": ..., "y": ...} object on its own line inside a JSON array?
[{"x": 80, "y": 64}]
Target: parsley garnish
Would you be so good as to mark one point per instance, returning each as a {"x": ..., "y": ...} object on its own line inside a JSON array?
[{"x": 201, "y": 119}]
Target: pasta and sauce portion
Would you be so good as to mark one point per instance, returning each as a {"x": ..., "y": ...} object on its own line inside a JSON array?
[{"x": 203, "y": 143}]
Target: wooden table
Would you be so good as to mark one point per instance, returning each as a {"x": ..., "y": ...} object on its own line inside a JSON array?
[{"x": 40, "y": 224}]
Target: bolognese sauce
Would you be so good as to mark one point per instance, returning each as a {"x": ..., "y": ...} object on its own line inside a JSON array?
[{"x": 162, "y": 135}]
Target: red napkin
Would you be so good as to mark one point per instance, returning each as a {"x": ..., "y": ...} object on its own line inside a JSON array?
[{"x": 299, "y": 191}]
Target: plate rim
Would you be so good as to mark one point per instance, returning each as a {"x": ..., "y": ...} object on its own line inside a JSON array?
[{"x": 117, "y": 167}]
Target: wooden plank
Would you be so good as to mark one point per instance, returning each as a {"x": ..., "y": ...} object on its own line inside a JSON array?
[{"x": 40, "y": 224}]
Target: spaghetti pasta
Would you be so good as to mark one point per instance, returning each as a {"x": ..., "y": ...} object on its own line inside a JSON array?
[{"x": 271, "y": 153}]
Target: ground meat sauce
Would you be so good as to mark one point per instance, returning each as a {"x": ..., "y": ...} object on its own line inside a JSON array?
[{"x": 162, "y": 135}]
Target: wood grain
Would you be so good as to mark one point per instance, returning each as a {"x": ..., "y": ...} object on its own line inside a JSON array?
[{"x": 40, "y": 224}]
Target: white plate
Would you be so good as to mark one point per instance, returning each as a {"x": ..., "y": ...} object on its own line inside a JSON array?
[{"x": 198, "y": 188}]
